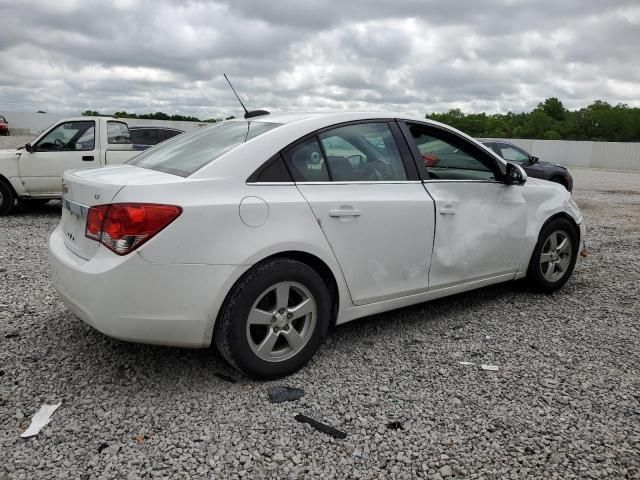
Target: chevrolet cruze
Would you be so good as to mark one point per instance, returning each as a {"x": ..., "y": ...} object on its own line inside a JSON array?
[{"x": 258, "y": 234}]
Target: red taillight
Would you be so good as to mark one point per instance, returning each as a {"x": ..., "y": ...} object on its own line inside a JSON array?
[{"x": 123, "y": 227}]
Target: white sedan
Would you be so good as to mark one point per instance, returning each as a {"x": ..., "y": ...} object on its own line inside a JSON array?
[{"x": 261, "y": 233}]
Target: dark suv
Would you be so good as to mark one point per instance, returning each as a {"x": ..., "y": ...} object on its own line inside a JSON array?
[
  {"x": 532, "y": 165},
  {"x": 144, "y": 137}
]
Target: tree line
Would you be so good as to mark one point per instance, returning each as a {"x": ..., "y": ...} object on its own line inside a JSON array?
[
  {"x": 154, "y": 116},
  {"x": 550, "y": 120}
]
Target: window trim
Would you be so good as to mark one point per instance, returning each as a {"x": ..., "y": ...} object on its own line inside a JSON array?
[{"x": 486, "y": 159}]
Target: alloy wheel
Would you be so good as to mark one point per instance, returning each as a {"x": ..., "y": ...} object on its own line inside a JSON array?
[
  {"x": 281, "y": 321},
  {"x": 556, "y": 256}
]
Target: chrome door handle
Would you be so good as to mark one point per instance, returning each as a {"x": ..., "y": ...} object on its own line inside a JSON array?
[
  {"x": 447, "y": 210},
  {"x": 344, "y": 212}
]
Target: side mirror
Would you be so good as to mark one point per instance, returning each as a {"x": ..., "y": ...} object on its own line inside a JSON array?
[
  {"x": 533, "y": 160},
  {"x": 515, "y": 175},
  {"x": 28, "y": 147}
]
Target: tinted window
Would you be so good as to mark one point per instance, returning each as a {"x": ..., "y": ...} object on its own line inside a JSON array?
[
  {"x": 364, "y": 152},
  {"x": 69, "y": 136},
  {"x": 187, "y": 153},
  {"x": 445, "y": 156},
  {"x": 166, "y": 134},
  {"x": 145, "y": 136},
  {"x": 513, "y": 154},
  {"x": 273, "y": 170},
  {"x": 306, "y": 162}
]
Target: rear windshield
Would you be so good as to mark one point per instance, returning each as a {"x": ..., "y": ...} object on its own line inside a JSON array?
[{"x": 186, "y": 153}]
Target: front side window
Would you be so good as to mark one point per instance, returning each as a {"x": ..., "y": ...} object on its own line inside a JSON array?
[
  {"x": 185, "y": 154},
  {"x": 118, "y": 132},
  {"x": 68, "y": 136},
  {"x": 444, "y": 156},
  {"x": 512, "y": 154}
]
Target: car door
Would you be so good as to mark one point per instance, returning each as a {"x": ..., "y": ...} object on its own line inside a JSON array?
[
  {"x": 480, "y": 221},
  {"x": 376, "y": 216},
  {"x": 66, "y": 146}
]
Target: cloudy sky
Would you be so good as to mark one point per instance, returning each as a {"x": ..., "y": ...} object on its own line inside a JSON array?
[{"x": 412, "y": 56}]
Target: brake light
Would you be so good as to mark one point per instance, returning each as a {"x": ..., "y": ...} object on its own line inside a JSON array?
[{"x": 123, "y": 227}]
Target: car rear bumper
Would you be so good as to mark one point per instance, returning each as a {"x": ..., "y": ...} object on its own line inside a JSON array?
[{"x": 131, "y": 299}]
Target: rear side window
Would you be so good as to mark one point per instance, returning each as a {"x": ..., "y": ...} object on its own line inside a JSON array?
[
  {"x": 118, "y": 132},
  {"x": 187, "y": 153},
  {"x": 166, "y": 134},
  {"x": 145, "y": 136},
  {"x": 306, "y": 162}
]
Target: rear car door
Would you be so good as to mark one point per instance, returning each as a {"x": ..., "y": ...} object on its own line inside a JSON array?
[
  {"x": 69, "y": 145},
  {"x": 480, "y": 221},
  {"x": 371, "y": 206}
]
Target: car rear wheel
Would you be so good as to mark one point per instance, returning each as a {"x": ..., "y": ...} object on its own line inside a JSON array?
[
  {"x": 274, "y": 320},
  {"x": 7, "y": 198},
  {"x": 554, "y": 256}
]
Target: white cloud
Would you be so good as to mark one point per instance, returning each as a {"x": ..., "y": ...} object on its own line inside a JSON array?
[{"x": 408, "y": 55}]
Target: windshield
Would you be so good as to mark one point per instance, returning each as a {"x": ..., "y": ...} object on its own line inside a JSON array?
[{"x": 186, "y": 153}]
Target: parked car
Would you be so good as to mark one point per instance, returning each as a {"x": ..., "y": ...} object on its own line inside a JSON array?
[
  {"x": 260, "y": 234},
  {"x": 144, "y": 137},
  {"x": 34, "y": 172},
  {"x": 532, "y": 165},
  {"x": 4, "y": 126}
]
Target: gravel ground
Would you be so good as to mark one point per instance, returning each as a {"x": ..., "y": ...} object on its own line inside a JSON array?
[{"x": 563, "y": 404}]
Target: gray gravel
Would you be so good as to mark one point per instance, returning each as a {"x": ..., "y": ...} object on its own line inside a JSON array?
[{"x": 565, "y": 402}]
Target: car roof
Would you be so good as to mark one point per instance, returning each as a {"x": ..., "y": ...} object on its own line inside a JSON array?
[
  {"x": 330, "y": 117},
  {"x": 143, "y": 127}
]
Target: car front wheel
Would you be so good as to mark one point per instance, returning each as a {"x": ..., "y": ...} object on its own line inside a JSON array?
[
  {"x": 7, "y": 199},
  {"x": 274, "y": 320},
  {"x": 554, "y": 256}
]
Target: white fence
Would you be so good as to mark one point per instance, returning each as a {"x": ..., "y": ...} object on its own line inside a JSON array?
[
  {"x": 608, "y": 155},
  {"x": 28, "y": 123}
]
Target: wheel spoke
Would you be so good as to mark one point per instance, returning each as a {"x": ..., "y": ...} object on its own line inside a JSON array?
[
  {"x": 563, "y": 245},
  {"x": 260, "y": 317},
  {"x": 266, "y": 346},
  {"x": 302, "y": 309},
  {"x": 548, "y": 270},
  {"x": 553, "y": 240},
  {"x": 294, "y": 339},
  {"x": 282, "y": 296},
  {"x": 545, "y": 257}
]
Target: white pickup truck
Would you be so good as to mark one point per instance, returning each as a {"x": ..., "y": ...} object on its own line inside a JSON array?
[{"x": 34, "y": 172}]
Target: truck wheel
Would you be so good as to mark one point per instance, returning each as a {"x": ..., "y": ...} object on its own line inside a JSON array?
[{"x": 7, "y": 198}]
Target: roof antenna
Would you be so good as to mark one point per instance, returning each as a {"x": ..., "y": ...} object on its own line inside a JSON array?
[{"x": 247, "y": 113}]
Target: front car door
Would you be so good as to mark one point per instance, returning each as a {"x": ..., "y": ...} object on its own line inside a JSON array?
[
  {"x": 364, "y": 191},
  {"x": 66, "y": 146},
  {"x": 480, "y": 221}
]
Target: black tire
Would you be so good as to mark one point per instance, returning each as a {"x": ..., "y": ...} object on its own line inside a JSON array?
[
  {"x": 230, "y": 332},
  {"x": 535, "y": 272},
  {"x": 7, "y": 198}
]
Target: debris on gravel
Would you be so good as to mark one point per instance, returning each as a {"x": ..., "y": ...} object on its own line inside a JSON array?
[
  {"x": 279, "y": 394},
  {"x": 564, "y": 404}
]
